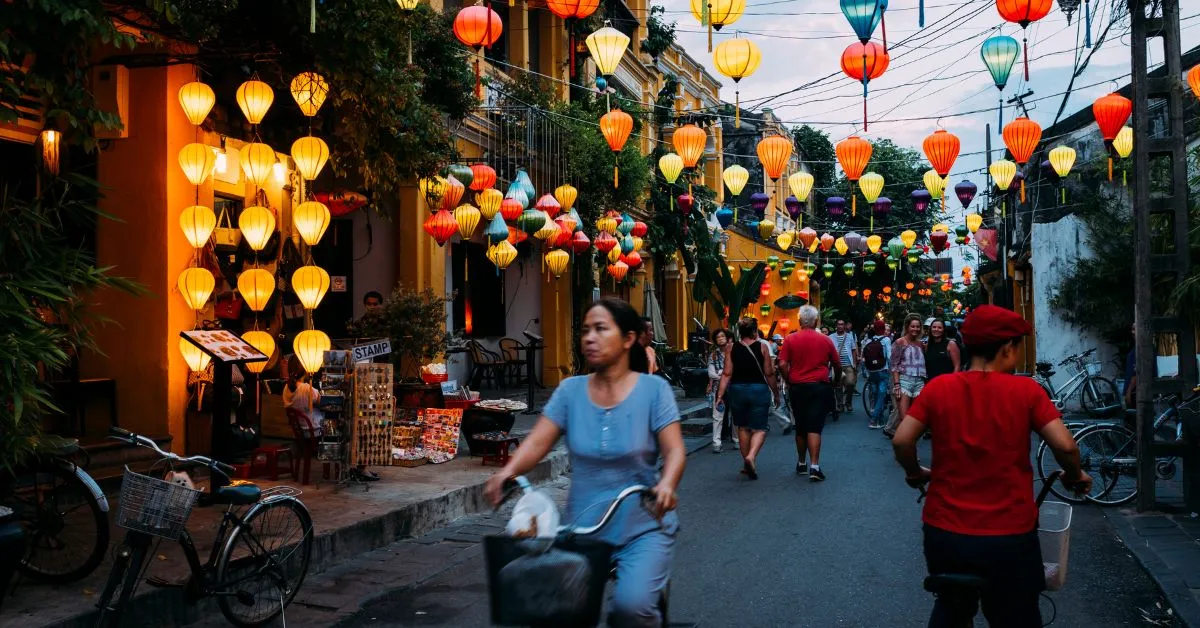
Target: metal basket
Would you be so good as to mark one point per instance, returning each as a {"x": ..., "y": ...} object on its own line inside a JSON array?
[
  {"x": 154, "y": 506},
  {"x": 1094, "y": 369}
]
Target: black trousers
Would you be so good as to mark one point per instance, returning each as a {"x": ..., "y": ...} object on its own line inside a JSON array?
[{"x": 1012, "y": 564}]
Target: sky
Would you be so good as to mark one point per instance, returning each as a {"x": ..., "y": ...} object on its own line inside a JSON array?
[{"x": 934, "y": 71}]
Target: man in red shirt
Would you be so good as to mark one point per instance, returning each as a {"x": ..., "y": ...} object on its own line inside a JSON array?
[
  {"x": 980, "y": 516},
  {"x": 805, "y": 360}
]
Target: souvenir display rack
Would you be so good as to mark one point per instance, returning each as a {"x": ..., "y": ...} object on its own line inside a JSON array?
[
  {"x": 337, "y": 377},
  {"x": 374, "y": 408}
]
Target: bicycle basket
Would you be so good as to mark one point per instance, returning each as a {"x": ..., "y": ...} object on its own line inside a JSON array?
[
  {"x": 154, "y": 506},
  {"x": 1054, "y": 535},
  {"x": 530, "y": 584},
  {"x": 1094, "y": 369}
]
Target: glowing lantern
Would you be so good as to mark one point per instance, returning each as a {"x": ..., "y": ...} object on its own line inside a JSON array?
[
  {"x": 935, "y": 184},
  {"x": 871, "y": 184},
  {"x": 974, "y": 222},
  {"x": 502, "y": 254},
  {"x": 566, "y": 195},
  {"x": 783, "y": 325},
  {"x": 466, "y": 217},
  {"x": 311, "y": 219},
  {"x": 869, "y": 266},
  {"x": 717, "y": 13},
  {"x": 766, "y": 228},
  {"x": 840, "y": 246},
  {"x": 607, "y": 46},
  {"x": 256, "y": 286},
  {"x": 908, "y": 237},
  {"x": 852, "y": 293},
  {"x": 864, "y": 61},
  {"x": 735, "y": 178},
  {"x": 1002, "y": 172},
  {"x": 1021, "y": 136},
  {"x": 310, "y": 346},
  {"x": 197, "y": 161},
  {"x": 310, "y": 284},
  {"x": 921, "y": 200},
  {"x": 1193, "y": 79},
  {"x": 639, "y": 229},
  {"x": 556, "y": 261},
  {"x": 793, "y": 206},
  {"x": 568, "y": 222},
  {"x": 310, "y": 154},
  {"x": 774, "y": 152},
  {"x": 737, "y": 58},
  {"x": 618, "y": 270},
  {"x": 807, "y": 236},
  {"x": 309, "y": 90},
  {"x": 265, "y": 344},
  {"x": 686, "y": 201},
  {"x": 1023, "y": 12},
  {"x": 941, "y": 148},
  {"x": 489, "y": 201},
  {"x": 801, "y": 183},
  {"x": 765, "y": 289},
  {"x": 257, "y": 224},
  {"x": 254, "y": 98},
  {"x": 1111, "y": 111},
  {"x": 616, "y": 126},
  {"x": 576, "y": 9},
  {"x": 197, "y": 99},
  {"x": 670, "y": 165},
  {"x": 1123, "y": 144},
  {"x": 197, "y": 223},
  {"x": 784, "y": 240},
  {"x": 999, "y": 54},
  {"x": 874, "y": 242},
  {"x": 689, "y": 141},
  {"x": 938, "y": 241},
  {"x": 477, "y": 27},
  {"x": 483, "y": 177},
  {"x": 196, "y": 285},
  {"x": 614, "y": 255},
  {"x": 196, "y": 359},
  {"x": 853, "y": 153},
  {"x": 51, "y": 140},
  {"x": 257, "y": 162},
  {"x": 441, "y": 226}
]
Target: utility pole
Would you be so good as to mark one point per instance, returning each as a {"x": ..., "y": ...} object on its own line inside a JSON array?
[
  {"x": 999, "y": 295},
  {"x": 1019, "y": 100},
  {"x": 1160, "y": 25}
]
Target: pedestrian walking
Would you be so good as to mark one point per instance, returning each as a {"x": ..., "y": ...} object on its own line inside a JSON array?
[
  {"x": 941, "y": 352},
  {"x": 780, "y": 412},
  {"x": 716, "y": 366},
  {"x": 847, "y": 348},
  {"x": 749, "y": 387},
  {"x": 875, "y": 356},
  {"x": 806, "y": 360},
  {"x": 908, "y": 370},
  {"x": 646, "y": 340},
  {"x": 979, "y": 516}
]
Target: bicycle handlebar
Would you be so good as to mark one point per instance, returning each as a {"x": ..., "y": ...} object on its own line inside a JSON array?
[
  {"x": 1077, "y": 356},
  {"x": 519, "y": 482},
  {"x": 142, "y": 441},
  {"x": 1041, "y": 496}
]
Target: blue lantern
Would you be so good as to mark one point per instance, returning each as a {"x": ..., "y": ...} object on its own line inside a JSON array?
[
  {"x": 526, "y": 185},
  {"x": 999, "y": 54},
  {"x": 496, "y": 231},
  {"x": 601, "y": 84},
  {"x": 725, "y": 217},
  {"x": 864, "y": 16}
]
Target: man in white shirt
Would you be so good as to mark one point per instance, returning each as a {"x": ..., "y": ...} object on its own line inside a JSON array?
[{"x": 847, "y": 348}]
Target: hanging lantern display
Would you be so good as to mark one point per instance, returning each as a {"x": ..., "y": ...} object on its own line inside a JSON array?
[
  {"x": 864, "y": 62},
  {"x": 548, "y": 204},
  {"x": 1062, "y": 159},
  {"x": 689, "y": 141},
  {"x": 483, "y": 177},
  {"x": 737, "y": 58},
  {"x": 1024, "y": 12},
  {"x": 974, "y": 222},
  {"x": 766, "y": 228},
  {"x": 254, "y": 98},
  {"x": 197, "y": 223},
  {"x": 556, "y": 261},
  {"x": 625, "y": 224},
  {"x": 793, "y": 206},
  {"x": 466, "y": 217},
  {"x": 921, "y": 200},
  {"x": 265, "y": 343},
  {"x": 774, "y": 152},
  {"x": 196, "y": 285},
  {"x": 840, "y": 245},
  {"x": 566, "y": 195},
  {"x": 478, "y": 27},
  {"x": 257, "y": 162},
  {"x": 195, "y": 359},
  {"x": 197, "y": 99},
  {"x": 523, "y": 182},
  {"x": 908, "y": 237},
  {"x": 1123, "y": 144},
  {"x": 256, "y": 224},
  {"x": 1021, "y": 136},
  {"x": 941, "y": 149},
  {"x": 874, "y": 243},
  {"x": 759, "y": 202},
  {"x": 856, "y": 242},
  {"x": 618, "y": 270},
  {"x": 999, "y": 54},
  {"x": 626, "y": 244},
  {"x": 489, "y": 201},
  {"x": 616, "y": 125},
  {"x": 197, "y": 161},
  {"x": 441, "y": 226},
  {"x": 935, "y": 184},
  {"x": 310, "y": 284},
  {"x": 784, "y": 241},
  {"x": 1112, "y": 112},
  {"x": 938, "y": 241},
  {"x": 309, "y": 90},
  {"x": 717, "y": 13},
  {"x": 853, "y": 153},
  {"x": 256, "y": 286},
  {"x": 965, "y": 191},
  {"x": 724, "y": 217},
  {"x": 310, "y": 346},
  {"x": 639, "y": 230},
  {"x": 605, "y": 242},
  {"x": 835, "y": 206},
  {"x": 502, "y": 254},
  {"x": 454, "y": 191},
  {"x": 807, "y": 237},
  {"x": 311, "y": 219},
  {"x": 580, "y": 242},
  {"x": 1003, "y": 171},
  {"x": 870, "y": 266},
  {"x": 607, "y": 46},
  {"x": 801, "y": 183},
  {"x": 310, "y": 154},
  {"x": 735, "y": 178}
]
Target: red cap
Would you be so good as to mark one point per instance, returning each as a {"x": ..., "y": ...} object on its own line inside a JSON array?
[
  {"x": 988, "y": 324},
  {"x": 880, "y": 327}
]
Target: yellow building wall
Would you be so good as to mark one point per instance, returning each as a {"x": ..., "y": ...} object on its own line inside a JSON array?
[{"x": 741, "y": 251}]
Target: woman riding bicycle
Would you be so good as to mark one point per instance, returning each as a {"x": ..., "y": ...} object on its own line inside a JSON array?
[
  {"x": 617, "y": 422},
  {"x": 980, "y": 516}
]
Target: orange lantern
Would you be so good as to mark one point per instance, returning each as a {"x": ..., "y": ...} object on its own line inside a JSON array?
[
  {"x": 616, "y": 126},
  {"x": 852, "y": 293},
  {"x": 510, "y": 209},
  {"x": 1021, "y": 136},
  {"x": 478, "y": 27},
  {"x": 941, "y": 148},
  {"x": 516, "y": 236},
  {"x": 618, "y": 270},
  {"x": 774, "y": 152},
  {"x": 1193, "y": 79},
  {"x": 853, "y": 153},
  {"x": 441, "y": 226},
  {"x": 1111, "y": 111},
  {"x": 1024, "y": 12},
  {"x": 827, "y": 241},
  {"x": 783, "y": 325},
  {"x": 483, "y": 177},
  {"x": 568, "y": 9},
  {"x": 689, "y": 141},
  {"x": 453, "y": 193},
  {"x": 863, "y": 62}
]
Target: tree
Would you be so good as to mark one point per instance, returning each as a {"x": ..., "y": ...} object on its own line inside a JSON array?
[
  {"x": 818, "y": 153},
  {"x": 659, "y": 33}
]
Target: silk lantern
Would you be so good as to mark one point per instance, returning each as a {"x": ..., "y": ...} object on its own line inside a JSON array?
[
  {"x": 1021, "y": 136},
  {"x": 881, "y": 207},
  {"x": 616, "y": 125},
  {"x": 735, "y": 178},
  {"x": 556, "y": 261},
  {"x": 724, "y": 217},
  {"x": 254, "y": 98},
  {"x": 265, "y": 343},
  {"x": 196, "y": 99},
  {"x": 196, "y": 285},
  {"x": 853, "y": 153},
  {"x": 433, "y": 189},
  {"x": 489, "y": 201},
  {"x": 197, "y": 223},
  {"x": 801, "y": 183},
  {"x": 311, "y": 219},
  {"x": 309, "y": 90},
  {"x": 999, "y": 54},
  {"x": 1002, "y": 172},
  {"x": 466, "y": 217},
  {"x": 864, "y": 16},
  {"x": 477, "y": 27},
  {"x": 935, "y": 184},
  {"x": 774, "y": 152},
  {"x": 548, "y": 232},
  {"x": 463, "y": 175},
  {"x": 441, "y": 226},
  {"x": 835, "y": 206},
  {"x": 310, "y": 284},
  {"x": 792, "y": 204},
  {"x": 1062, "y": 159},
  {"x": 1111, "y": 112},
  {"x": 256, "y": 286},
  {"x": 310, "y": 154},
  {"x": 566, "y": 195},
  {"x": 607, "y": 46},
  {"x": 454, "y": 191},
  {"x": 965, "y": 191},
  {"x": 496, "y": 230},
  {"x": 510, "y": 209},
  {"x": 689, "y": 141},
  {"x": 717, "y": 13},
  {"x": 766, "y": 228},
  {"x": 580, "y": 242},
  {"x": 737, "y": 58},
  {"x": 550, "y": 205},
  {"x": 257, "y": 161},
  {"x": 784, "y": 240},
  {"x": 671, "y": 165},
  {"x": 807, "y": 236},
  {"x": 572, "y": 9},
  {"x": 827, "y": 241},
  {"x": 1024, "y": 12},
  {"x": 974, "y": 222},
  {"x": 195, "y": 359},
  {"x": 618, "y": 270},
  {"x": 197, "y": 161},
  {"x": 941, "y": 149},
  {"x": 1123, "y": 144},
  {"x": 864, "y": 62},
  {"x": 1193, "y": 80},
  {"x": 310, "y": 346},
  {"x": 502, "y": 254},
  {"x": 256, "y": 224},
  {"x": 840, "y": 245},
  {"x": 874, "y": 243},
  {"x": 920, "y": 200}
]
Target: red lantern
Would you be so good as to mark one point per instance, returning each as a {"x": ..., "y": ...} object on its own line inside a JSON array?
[
  {"x": 685, "y": 202},
  {"x": 510, "y": 209},
  {"x": 853, "y": 153},
  {"x": 605, "y": 242},
  {"x": 618, "y": 270},
  {"x": 483, "y": 177},
  {"x": 1111, "y": 111},
  {"x": 580, "y": 243},
  {"x": 765, "y": 289},
  {"x": 565, "y": 231},
  {"x": 939, "y": 240},
  {"x": 633, "y": 259},
  {"x": 863, "y": 63},
  {"x": 616, "y": 126},
  {"x": 639, "y": 229},
  {"x": 577, "y": 9},
  {"x": 549, "y": 204},
  {"x": 453, "y": 194},
  {"x": 1021, "y": 136},
  {"x": 774, "y": 152},
  {"x": 1024, "y": 12},
  {"x": 941, "y": 148},
  {"x": 477, "y": 27},
  {"x": 441, "y": 226},
  {"x": 827, "y": 242}
]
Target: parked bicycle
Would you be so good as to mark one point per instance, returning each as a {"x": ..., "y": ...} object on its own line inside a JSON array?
[
  {"x": 868, "y": 401},
  {"x": 259, "y": 558},
  {"x": 63, "y": 511},
  {"x": 1098, "y": 394}
]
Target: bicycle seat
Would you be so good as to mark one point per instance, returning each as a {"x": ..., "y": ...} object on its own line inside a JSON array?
[
  {"x": 1045, "y": 367},
  {"x": 57, "y": 446},
  {"x": 237, "y": 494},
  {"x": 954, "y": 582}
]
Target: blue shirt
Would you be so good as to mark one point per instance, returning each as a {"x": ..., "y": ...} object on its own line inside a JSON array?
[{"x": 611, "y": 449}]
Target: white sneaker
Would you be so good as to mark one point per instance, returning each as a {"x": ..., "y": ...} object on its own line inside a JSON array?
[{"x": 716, "y": 449}]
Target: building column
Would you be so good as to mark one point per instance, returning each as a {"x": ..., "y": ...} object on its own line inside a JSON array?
[
  {"x": 676, "y": 308},
  {"x": 518, "y": 29},
  {"x": 420, "y": 262},
  {"x": 557, "y": 325}
]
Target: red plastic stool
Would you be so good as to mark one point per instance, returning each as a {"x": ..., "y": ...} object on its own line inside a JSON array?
[
  {"x": 270, "y": 460},
  {"x": 497, "y": 451}
]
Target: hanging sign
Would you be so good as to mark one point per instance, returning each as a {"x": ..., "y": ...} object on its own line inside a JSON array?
[{"x": 363, "y": 353}]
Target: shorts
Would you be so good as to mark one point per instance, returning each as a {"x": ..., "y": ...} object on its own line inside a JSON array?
[
  {"x": 749, "y": 405},
  {"x": 911, "y": 385},
  {"x": 810, "y": 403}
]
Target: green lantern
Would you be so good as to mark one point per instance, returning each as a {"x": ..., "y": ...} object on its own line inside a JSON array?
[
  {"x": 827, "y": 269},
  {"x": 848, "y": 269},
  {"x": 764, "y": 309},
  {"x": 869, "y": 266},
  {"x": 960, "y": 234},
  {"x": 531, "y": 220},
  {"x": 810, "y": 268},
  {"x": 893, "y": 263},
  {"x": 914, "y": 255},
  {"x": 789, "y": 264},
  {"x": 773, "y": 262},
  {"x": 463, "y": 173},
  {"x": 785, "y": 273},
  {"x": 895, "y": 247}
]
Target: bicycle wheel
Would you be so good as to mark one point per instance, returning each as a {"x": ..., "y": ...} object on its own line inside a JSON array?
[
  {"x": 1046, "y": 464},
  {"x": 122, "y": 579},
  {"x": 1109, "y": 454},
  {"x": 68, "y": 531},
  {"x": 264, "y": 562},
  {"x": 1099, "y": 394}
]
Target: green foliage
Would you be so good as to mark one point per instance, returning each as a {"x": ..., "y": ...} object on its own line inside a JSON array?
[
  {"x": 814, "y": 144},
  {"x": 659, "y": 33},
  {"x": 714, "y": 281},
  {"x": 415, "y": 323}
]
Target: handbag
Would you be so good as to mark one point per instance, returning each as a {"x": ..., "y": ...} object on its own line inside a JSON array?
[
  {"x": 226, "y": 237},
  {"x": 228, "y": 306}
]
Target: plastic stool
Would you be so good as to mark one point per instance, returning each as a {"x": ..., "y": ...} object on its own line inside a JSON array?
[
  {"x": 497, "y": 451},
  {"x": 270, "y": 460}
]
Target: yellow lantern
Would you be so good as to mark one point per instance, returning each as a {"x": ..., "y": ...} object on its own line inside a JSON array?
[
  {"x": 257, "y": 162},
  {"x": 549, "y": 228},
  {"x": 466, "y": 216},
  {"x": 607, "y": 46},
  {"x": 908, "y": 237},
  {"x": 784, "y": 240},
  {"x": 565, "y": 194},
  {"x": 1062, "y": 158},
  {"x": 257, "y": 224},
  {"x": 935, "y": 183},
  {"x": 766, "y": 227},
  {"x": 197, "y": 99},
  {"x": 311, "y": 219},
  {"x": 310, "y": 283},
  {"x": 720, "y": 13},
  {"x": 941, "y": 226},
  {"x": 556, "y": 261},
  {"x": 196, "y": 359},
  {"x": 196, "y": 285},
  {"x": 737, "y": 58},
  {"x": 197, "y": 161},
  {"x": 310, "y": 154},
  {"x": 502, "y": 254},
  {"x": 256, "y": 286},
  {"x": 871, "y": 185},
  {"x": 974, "y": 222},
  {"x": 873, "y": 243},
  {"x": 433, "y": 189},
  {"x": 1123, "y": 143},
  {"x": 309, "y": 90},
  {"x": 812, "y": 248},
  {"x": 637, "y": 243},
  {"x": 841, "y": 246},
  {"x": 614, "y": 254},
  {"x": 265, "y": 344},
  {"x": 801, "y": 184},
  {"x": 310, "y": 346},
  {"x": 1002, "y": 172},
  {"x": 254, "y": 98},
  {"x": 489, "y": 202},
  {"x": 735, "y": 178},
  {"x": 607, "y": 224},
  {"x": 670, "y": 165},
  {"x": 197, "y": 223}
]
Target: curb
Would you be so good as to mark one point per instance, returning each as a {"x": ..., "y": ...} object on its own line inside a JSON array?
[{"x": 1178, "y": 594}]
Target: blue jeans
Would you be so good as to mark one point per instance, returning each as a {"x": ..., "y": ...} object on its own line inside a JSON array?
[
  {"x": 643, "y": 571},
  {"x": 878, "y": 382}
]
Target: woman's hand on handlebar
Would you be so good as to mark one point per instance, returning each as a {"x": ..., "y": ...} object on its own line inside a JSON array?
[
  {"x": 665, "y": 499},
  {"x": 496, "y": 487},
  {"x": 1081, "y": 485}
]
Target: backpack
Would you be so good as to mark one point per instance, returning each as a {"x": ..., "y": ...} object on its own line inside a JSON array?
[{"x": 873, "y": 357}]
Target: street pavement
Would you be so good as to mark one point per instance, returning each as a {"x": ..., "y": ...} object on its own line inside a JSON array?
[{"x": 783, "y": 551}]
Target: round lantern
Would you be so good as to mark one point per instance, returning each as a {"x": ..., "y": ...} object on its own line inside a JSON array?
[
  {"x": 580, "y": 242},
  {"x": 556, "y": 261},
  {"x": 1123, "y": 143},
  {"x": 685, "y": 201},
  {"x": 735, "y": 178},
  {"x": 908, "y": 237},
  {"x": 1002, "y": 172},
  {"x": 618, "y": 270},
  {"x": 974, "y": 222},
  {"x": 310, "y": 346},
  {"x": 720, "y": 12},
  {"x": 549, "y": 205},
  {"x": 774, "y": 152},
  {"x": 807, "y": 236},
  {"x": 766, "y": 228},
  {"x": 197, "y": 223},
  {"x": 256, "y": 286},
  {"x": 441, "y": 226},
  {"x": 881, "y": 207},
  {"x": 871, "y": 185},
  {"x": 639, "y": 229},
  {"x": 510, "y": 209},
  {"x": 489, "y": 201},
  {"x": 874, "y": 243},
  {"x": 197, "y": 161},
  {"x": 737, "y": 58},
  {"x": 254, "y": 98},
  {"x": 311, "y": 219},
  {"x": 759, "y": 202},
  {"x": 516, "y": 236},
  {"x": 1062, "y": 158},
  {"x": 462, "y": 174},
  {"x": 941, "y": 148},
  {"x": 616, "y": 125},
  {"x": 607, "y": 224},
  {"x": 836, "y": 206},
  {"x": 310, "y": 154},
  {"x": 848, "y": 269},
  {"x": 1111, "y": 111},
  {"x": 478, "y": 26},
  {"x": 853, "y": 153},
  {"x": 864, "y": 61},
  {"x": 502, "y": 254},
  {"x": 466, "y": 217},
  {"x": 801, "y": 183},
  {"x": 935, "y": 183},
  {"x": 310, "y": 284},
  {"x": 197, "y": 99},
  {"x": 1021, "y": 136},
  {"x": 869, "y": 266},
  {"x": 765, "y": 289},
  {"x": 483, "y": 177},
  {"x": 607, "y": 46},
  {"x": 689, "y": 141},
  {"x": 1193, "y": 79},
  {"x": 309, "y": 90},
  {"x": 784, "y": 240},
  {"x": 724, "y": 217},
  {"x": 257, "y": 162},
  {"x": 793, "y": 205},
  {"x": 670, "y": 165},
  {"x": 265, "y": 344},
  {"x": 856, "y": 242},
  {"x": 826, "y": 242},
  {"x": 257, "y": 224},
  {"x": 921, "y": 200},
  {"x": 566, "y": 195},
  {"x": 913, "y": 255},
  {"x": 938, "y": 241},
  {"x": 1024, "y": 12},
  {"x": 625, "y": 224},
  {"x": 605, "y": 242},
  {"x": 965, "y": 191},
  {"x": 195, "y": 359},
  {"x": 196, "y": 285}
]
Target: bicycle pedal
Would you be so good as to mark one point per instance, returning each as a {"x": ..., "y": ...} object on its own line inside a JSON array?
[{"x": 161, "y": 583}]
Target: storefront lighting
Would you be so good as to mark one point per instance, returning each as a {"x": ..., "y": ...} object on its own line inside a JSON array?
[
  {"x": 196, "y": 285},
  {"x": 197, "y": 99},
  {"x": 257, "y": 224},
  {"x": 310, "y": 283},
  {"x": 51, "y": 146},
  {"x": 265, "y": 343},
  {"x": 196, "y": 359},
  {"x": 310, "y": 346},
  {"x": 197, "y": 223},
  {"x": 257, "y": 161},
  {"x": 254, "y": 97},
  {"x": 309, "y": 90},
  {"x": 279, "y": 171},
  {"x": 256, "y": 286},
  {"x": 197, "y": 161},
  {"x": 311, "y": 219}
]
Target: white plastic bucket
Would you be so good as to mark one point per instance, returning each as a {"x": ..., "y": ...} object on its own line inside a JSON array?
[{"x": 1054, "y": 534}]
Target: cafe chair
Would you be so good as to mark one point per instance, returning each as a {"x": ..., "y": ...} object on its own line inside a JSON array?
[
  {"x": 486, "y": 366},
  {"x": 306, "y": 442},
  {"x": 514, "y": 360}
]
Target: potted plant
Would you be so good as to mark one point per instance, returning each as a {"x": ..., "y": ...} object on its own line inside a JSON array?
[{"x": 415, "y": 323}]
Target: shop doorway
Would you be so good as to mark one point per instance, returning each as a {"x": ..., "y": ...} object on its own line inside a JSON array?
[{"x": 335, "y": 253}]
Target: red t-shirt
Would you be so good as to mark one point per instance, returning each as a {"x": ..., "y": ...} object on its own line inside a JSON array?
[
  {"x": 809, "y": 354},
  {"x": 982, "y": 480}
]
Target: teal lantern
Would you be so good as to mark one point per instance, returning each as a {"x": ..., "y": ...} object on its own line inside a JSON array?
[
  {"x": 827, "y": 269},
  {"x": 772, "y": 262},
  {"x": 895, "y": 248},
  {"x": 497, "y": 230},
  {"x": 999, "y": 54},
  {"x": 848, "y": 269},
  {"x": 626, "y": 225},
  {"x": 526, "y": 184},
  {"x": 864, "y": 17},
  {"x": 869, "y": 266},
  {"x": 627, "y": 245},
  {"x": 517, "y": 193}
]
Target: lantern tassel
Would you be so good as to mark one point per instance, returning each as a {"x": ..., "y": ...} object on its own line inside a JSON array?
[
  {"x": 571, "y": 45},
  {"x": 854, "y": 206},
  {"x": 1000, "y": 115},
  {"x": 921, "y": 15},
  {"x": 872, "y": 223},
  {"x": 883, "y": 23},
  {"x": 737, "y": 109},
  {"x": 1087, "y": 27},
  {"x": 312, "y": 16},
  {"x": 616, "y": 180},
  {"x": 1064, "y": 195},
  {"x": 1110, "y": 169},
  {"x": 1022, "y": 190},
  {"x": 1025, "y": 53}
]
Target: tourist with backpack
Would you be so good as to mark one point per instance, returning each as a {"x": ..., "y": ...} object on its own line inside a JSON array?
[{"x": 875, "y": 354}]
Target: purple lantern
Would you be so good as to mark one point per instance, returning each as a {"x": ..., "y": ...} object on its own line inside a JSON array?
[
  {"x": 793, "y": 206},
  {"x": 855, "y": 242},
  {"x": 965, "y": 190},
  {"x": 882, "y": 206},
  {"x": 759, "y": 202},
  {"x": 1016, "y": 182},
  {"x": 836, "y": 206},
  {"x": 1048, "y": 172},
  {"x": 921, "y": 200}
]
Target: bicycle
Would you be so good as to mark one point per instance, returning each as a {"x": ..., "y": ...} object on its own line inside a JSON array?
[
  {"x": 1098, "y": 395},
  {"x": 258, "y": 561},
  {"x": 868, "y": 400},
  {"x": 1108, "y": 452},
  {"x": 501, "y": 551},
  {"x": 63, "y": 511}
]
